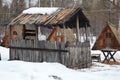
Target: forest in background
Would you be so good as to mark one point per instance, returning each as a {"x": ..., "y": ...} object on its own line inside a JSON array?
[{"x": 98, "y": 11}]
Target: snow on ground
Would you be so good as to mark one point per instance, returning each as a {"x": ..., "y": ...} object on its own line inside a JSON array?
[
  {"x": 4, "y": 53},
  {"x": 40, "y": 10},
  {"x": 20, "y": 70}
]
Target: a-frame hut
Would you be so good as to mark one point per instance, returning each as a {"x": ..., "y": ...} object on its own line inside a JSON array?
[
  {"x": 108, "y": 38},
  {"x": 25, "y": 45}
]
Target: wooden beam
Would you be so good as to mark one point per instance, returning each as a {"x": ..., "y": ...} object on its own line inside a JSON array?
[
  {"x": 30, "y": 34},
  {"x": 28, "y": 30},
  {"x": 65, "y": 35},
  {"x": 10, "y": 39},
  {"x": 38, "y": 49},
  {"x": 23, "y": 31},
  {"x": 36, "y": 32},
  {"x": 86, "y": 33},
  {"x": 77, "y": 28},
  {"x": 10, "y": 35}
]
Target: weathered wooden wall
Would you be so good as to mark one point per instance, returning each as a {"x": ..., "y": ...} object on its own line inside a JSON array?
[
  {"x": 79, "y": 55},
  {"x": 51, "y": 51}
]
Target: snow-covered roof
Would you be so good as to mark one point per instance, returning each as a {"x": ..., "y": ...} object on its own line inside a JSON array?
[{"x": 40, "y": 10}]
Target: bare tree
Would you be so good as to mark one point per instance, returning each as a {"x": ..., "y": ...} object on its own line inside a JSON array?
[
  {"x": 29, "y": 3},
  {"x": 21, "y": 5},
  {"x": 17, "y": 6},
  {"x": 0, "y": 5},
  {"x": 43, "y": 3},
  {"x": 56, "y": 3}
]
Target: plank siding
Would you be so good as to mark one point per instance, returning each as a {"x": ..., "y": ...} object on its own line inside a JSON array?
[{"x": 51, "y": 51}]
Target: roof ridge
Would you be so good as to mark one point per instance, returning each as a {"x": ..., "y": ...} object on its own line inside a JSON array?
[{"x": 115, "y": 31}]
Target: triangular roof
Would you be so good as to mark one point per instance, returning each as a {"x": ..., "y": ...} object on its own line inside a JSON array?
[
  {"x": 101, "y": 41},
  {"x": 68, "y": 16}
]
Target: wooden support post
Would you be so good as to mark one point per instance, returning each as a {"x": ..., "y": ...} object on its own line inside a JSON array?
[
  {"x": 10, "y": 30},
  {"x": 65, "y": 36},
  {"x": 86, "y": 35},
  {"x": 77, "y": 28},
  {"x": 23, "y": 31},
  {"x": 39, "y": 32},
  {"x": 36, "y": 31},
  {"x": 10, "y": 39}
]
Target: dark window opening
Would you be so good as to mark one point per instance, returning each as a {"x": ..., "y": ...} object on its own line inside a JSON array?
[
  {"x": 108, "y": 35},
  {"x": 14, "y": 33}
]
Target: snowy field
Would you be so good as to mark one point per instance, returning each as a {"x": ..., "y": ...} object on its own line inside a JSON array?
[{"x": 19, "y": 70}]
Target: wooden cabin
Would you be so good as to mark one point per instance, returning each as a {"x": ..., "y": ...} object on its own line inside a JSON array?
[
  {"x": 108, "y": 38},
  {"x": 60, "y": 44}
]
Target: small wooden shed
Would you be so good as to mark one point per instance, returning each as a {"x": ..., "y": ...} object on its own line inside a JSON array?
[
  {"x": 108, "y": 38},
  {"x": 27, "y": 47}
]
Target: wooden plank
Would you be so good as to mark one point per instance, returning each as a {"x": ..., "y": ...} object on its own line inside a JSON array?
[
  {"x": 30, "y": 34},
  {"x": 29, "y": 30}
]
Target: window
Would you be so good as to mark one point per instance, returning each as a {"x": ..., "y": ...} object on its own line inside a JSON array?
[
  {"x": 14, "y": 33},
  {"x": 108, "y": 35}
]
